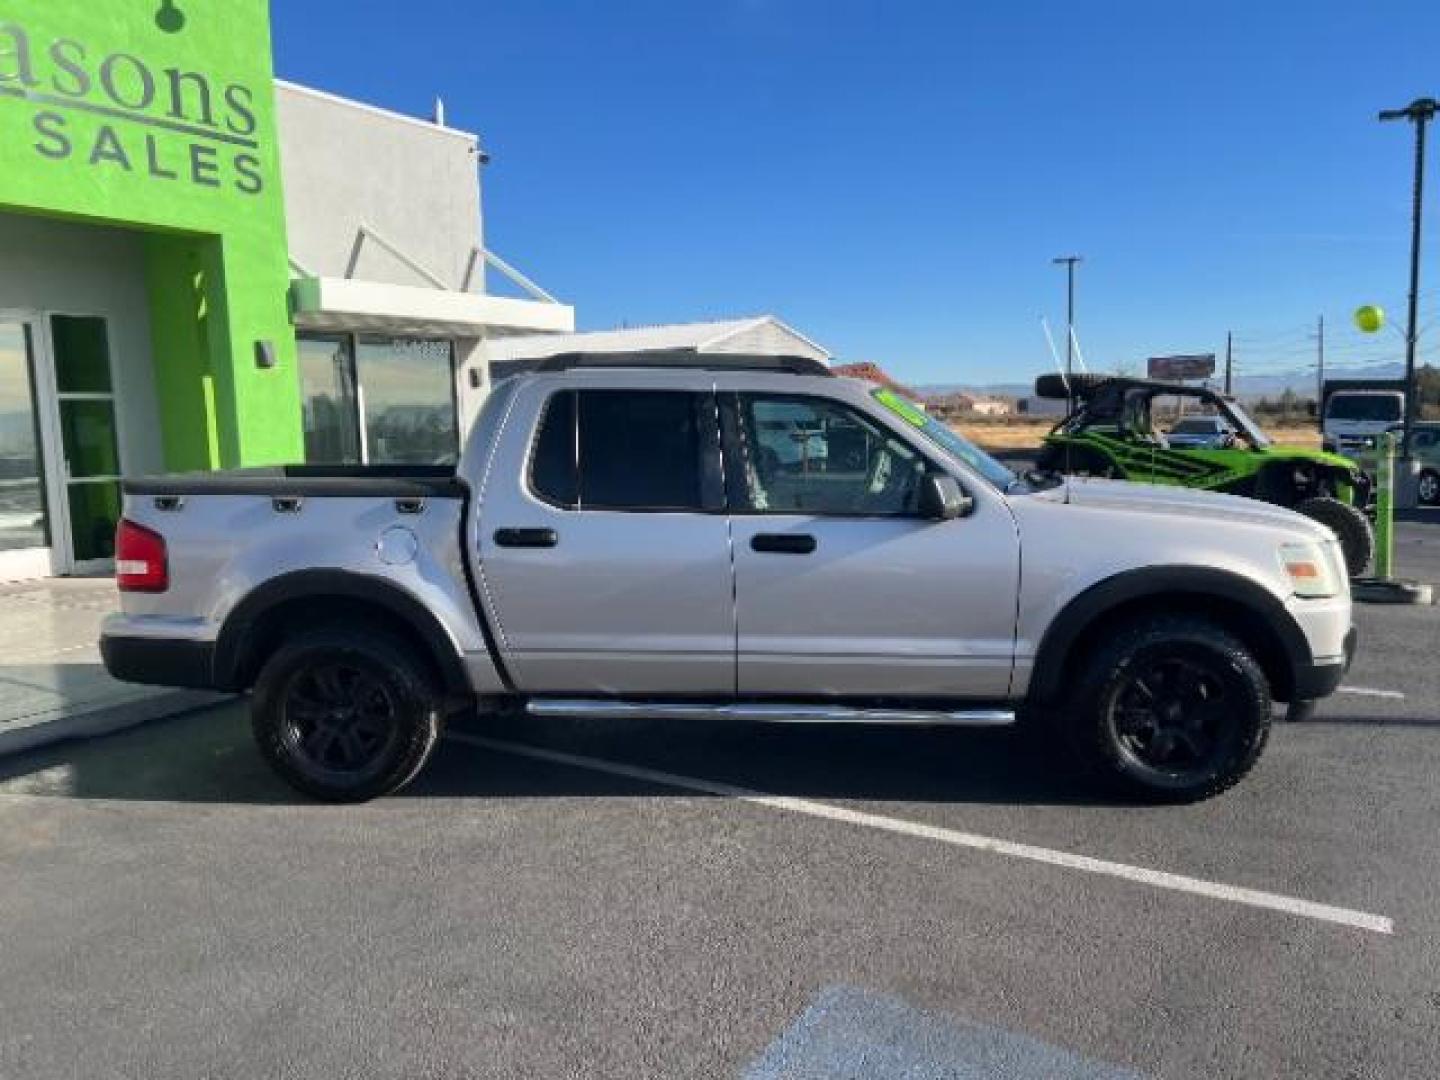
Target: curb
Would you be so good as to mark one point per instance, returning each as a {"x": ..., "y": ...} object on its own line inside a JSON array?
[{"x": 103, "y": 718}]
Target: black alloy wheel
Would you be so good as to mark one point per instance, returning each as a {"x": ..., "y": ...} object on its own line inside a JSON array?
[
  {"x": 1170, "y": 708},
  {"x": 340, "y": 719},
  {"x": 1170, "y": 715},
  {"x": 347, "y": 712}
]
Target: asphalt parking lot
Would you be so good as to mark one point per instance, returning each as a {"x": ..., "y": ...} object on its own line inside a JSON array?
[{"x": 658, "y": 899}]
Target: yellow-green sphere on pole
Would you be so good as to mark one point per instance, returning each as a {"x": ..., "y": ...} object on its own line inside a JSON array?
[{"x": 1369, "y": 318}]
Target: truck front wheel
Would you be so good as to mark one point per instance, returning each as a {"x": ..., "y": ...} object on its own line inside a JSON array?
[
  {"x": 1172, "y": 708},
  {"x": 346, "y": 713}
]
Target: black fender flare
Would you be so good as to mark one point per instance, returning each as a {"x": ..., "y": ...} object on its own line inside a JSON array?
[
  {"x": 1197, "y": 582},
  {"x": 233, "y": 645}
]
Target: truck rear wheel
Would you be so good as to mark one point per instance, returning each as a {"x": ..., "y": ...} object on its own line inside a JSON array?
[
  {"x": 1350, "y": 525},
  {"x": 346, "y": 713},
  {"x": 1171, "y": 709}
]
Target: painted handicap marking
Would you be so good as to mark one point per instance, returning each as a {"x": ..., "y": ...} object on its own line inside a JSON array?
[{"x": 850, "y": 1033}]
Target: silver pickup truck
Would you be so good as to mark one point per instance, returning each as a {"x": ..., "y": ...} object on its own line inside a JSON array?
[{"x": 680, "y": 536}]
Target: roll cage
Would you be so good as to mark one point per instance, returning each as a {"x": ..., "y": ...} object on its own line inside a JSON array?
[{"x": 1125, "y": 404}]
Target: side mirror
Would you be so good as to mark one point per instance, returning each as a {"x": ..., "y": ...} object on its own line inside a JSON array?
[{"x": 943, "y": 499}]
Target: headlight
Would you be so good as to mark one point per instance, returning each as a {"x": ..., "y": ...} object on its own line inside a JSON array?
[{"x": 1311, "y": 570}]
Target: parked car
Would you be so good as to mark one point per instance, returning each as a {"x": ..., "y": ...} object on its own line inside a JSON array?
[
  {"x": 1110, "y": 431},
  {"x": 1201, "y": 432},
  {"x": 1425, "y": 446},
  {"x": 611, "y": 544}
]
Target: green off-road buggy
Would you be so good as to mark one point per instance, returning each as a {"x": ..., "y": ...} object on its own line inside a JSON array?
[{"x": 1110, "y": 431}]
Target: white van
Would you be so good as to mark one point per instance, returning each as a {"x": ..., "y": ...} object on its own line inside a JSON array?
[{"x": 1355, "y": 419}]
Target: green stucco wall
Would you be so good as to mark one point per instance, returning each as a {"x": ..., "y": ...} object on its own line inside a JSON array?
[{"x": 160, "y": 115}]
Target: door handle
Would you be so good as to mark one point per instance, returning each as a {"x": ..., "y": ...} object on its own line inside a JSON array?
[
  {"x": 783, "y": 543},
  {"x": 535, "y": 538}
]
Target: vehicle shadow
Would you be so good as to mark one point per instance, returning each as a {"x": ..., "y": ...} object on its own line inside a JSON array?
[
  {"x": 208, "y": 756},
  {"x": 1427, "y": 514}
]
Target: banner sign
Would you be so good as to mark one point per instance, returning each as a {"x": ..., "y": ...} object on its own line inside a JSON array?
[{"x": 1196, "y": 366}]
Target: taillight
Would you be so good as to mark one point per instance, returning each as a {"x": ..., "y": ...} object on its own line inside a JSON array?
[{"x": 141, "y": 562}]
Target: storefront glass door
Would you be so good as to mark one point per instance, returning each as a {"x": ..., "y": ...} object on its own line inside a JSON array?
[
  {"x": 85, "y": 402},
  {"x": 25, "y": 522}
]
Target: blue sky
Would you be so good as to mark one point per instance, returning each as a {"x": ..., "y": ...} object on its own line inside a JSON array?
[{"x": 893, "y": 179}]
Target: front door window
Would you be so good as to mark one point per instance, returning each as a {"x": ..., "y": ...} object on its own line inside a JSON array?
[{"x": 810, "y": 455}]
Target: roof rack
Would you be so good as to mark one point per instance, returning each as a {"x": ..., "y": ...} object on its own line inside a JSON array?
[
  {"x": 684, "y": 358},
  {"x": 1054, "y": 386}
]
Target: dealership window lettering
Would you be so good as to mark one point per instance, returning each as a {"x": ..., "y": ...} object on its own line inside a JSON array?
[{"x": 116, "y": 111}]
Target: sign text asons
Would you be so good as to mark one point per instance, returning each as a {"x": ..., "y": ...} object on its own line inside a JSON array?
[{"x": 115, "y": 111}]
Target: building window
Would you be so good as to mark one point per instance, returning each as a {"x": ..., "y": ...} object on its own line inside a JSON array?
[
  {"x": 378, "y": 401},
  {"x": 327, "y": 401},
  {"x": 408, "y": 390}
]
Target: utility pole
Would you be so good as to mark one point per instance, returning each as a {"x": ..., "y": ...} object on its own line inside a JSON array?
[
  {"x": 1320, "y": 367},
  {"x": 1069, "y": 262},
  {"x": 1419, "y": 112},
  {"x": 1229, "y": 336}
]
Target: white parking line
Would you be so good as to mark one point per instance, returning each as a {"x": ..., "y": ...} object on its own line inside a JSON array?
[
  {"x": 1160, "y": 879},
  {"x": 1367, "y": 691}
]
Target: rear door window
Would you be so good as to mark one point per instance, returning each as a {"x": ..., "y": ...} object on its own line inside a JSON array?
[{"x": 626, "y": 450}]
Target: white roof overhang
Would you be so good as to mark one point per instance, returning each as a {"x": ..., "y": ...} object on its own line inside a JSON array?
[{"x": 321, "y": 303}]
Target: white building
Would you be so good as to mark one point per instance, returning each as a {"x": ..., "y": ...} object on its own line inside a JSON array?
[{"x": 989, "y": 406}]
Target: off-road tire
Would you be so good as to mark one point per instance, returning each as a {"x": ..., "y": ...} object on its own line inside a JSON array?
[
  {"x": 1234, "y": 720},
  {"x": 1052, "y": 385},
  {"x": 390, "y": 668},
  {"x": 1427, "y": 488},
  {"x": 1349, "y": 524}
]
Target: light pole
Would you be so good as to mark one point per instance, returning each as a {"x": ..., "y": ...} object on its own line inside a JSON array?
[
  {"x": 1069, "y": 262},
  {"x": 1419, "y": 112}
]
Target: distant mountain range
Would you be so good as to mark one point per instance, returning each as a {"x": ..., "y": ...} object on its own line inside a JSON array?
[{"x": 1301, "y": 380}]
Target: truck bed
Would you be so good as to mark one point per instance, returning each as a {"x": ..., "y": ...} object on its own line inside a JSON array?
[{"x": 393, "y": 532}]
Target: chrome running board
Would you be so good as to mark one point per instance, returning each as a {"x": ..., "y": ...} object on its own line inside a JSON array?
[{"x": 771, "y": 713}]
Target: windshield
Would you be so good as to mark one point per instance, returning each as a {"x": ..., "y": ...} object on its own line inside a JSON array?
[
  {"x": 1379, "y": 407},
  {"x": 1198, "y": 426},
  {"x": 1247, "y": 427},
  {"x": 952, "y": 442}
]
